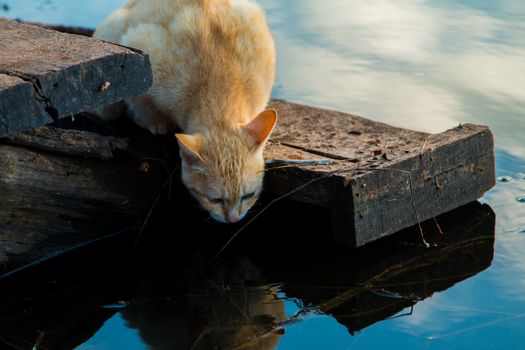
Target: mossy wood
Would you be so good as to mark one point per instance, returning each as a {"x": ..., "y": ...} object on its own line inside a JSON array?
[{"x": 46, "y": 75}]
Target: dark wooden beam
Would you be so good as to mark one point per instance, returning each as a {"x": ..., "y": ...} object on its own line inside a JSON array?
[
  {"x": 376, "y": 179},
  {"x": 63, "y": 187},
  {"x": 46, "y": 75}
]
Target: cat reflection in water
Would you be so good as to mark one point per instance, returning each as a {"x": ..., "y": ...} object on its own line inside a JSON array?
[
  {"x": 213, "y": 67},
  {"x": 242, "y": 316}
]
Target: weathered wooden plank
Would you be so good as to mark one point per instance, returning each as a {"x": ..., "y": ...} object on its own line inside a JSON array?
[
  {"x": 63, "y": 74},
  {"x": 63, "y": 187},
  {"x": 444, "y": 178},
  {"x": 343, "y": 136},
  {"x": 382, "y": 178},
  {"x": 60, "y": 188}
]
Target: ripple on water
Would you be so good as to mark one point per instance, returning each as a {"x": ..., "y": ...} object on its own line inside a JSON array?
[{"x": 504, "y": 179}]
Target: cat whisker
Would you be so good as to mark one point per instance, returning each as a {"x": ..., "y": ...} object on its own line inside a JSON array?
[{"x": 154, "y": 205}]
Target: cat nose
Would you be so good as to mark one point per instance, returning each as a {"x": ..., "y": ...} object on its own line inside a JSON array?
[{"x": 233, "y": 216}]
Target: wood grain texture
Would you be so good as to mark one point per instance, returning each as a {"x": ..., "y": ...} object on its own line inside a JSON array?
[
  {"x": 69, "y": 142},
  {"x": 383, "y": 178},
  {"x": 59, "y": 193},
  {"x": 54, "y": 75}
]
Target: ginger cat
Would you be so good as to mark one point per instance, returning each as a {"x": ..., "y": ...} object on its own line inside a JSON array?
[{"x": 213, "y": 67}]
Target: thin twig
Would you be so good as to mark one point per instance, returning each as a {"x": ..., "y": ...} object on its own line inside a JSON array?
[
  {"x": 146, "y": 220},
  {"x": 71, "y": 289},
  {"x": 275, "y": 164},
  {"x": 424, "y": 145},
  {"x": 416, "y": 212},
  {"x": 299, "y": 162},
  {"x": 437, "y": 225}
]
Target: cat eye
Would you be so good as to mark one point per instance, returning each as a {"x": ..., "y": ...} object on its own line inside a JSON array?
[
  {"x": 248, "y": 196},
  {"x": 216, "y": 200}
]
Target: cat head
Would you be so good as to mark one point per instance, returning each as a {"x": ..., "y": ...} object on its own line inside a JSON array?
[{"x": 224, "y": 168}]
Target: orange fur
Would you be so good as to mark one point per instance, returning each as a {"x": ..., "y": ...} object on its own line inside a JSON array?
[{"x": 213, "y": 66}]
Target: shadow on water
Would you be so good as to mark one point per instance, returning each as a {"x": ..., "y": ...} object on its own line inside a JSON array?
[{"x": 172, "y": 290}]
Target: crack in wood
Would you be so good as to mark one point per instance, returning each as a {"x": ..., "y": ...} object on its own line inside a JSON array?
[
  {"x": 68, "y": 142},
  {"x": 316, "y": 152},
  {"x": 38, "y": 95}
]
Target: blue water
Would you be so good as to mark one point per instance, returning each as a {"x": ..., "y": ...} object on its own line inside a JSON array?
[{"x": 425, "y": 65}]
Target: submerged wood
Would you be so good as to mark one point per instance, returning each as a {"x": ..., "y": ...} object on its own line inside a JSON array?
[{"x": 46, "y": 75}]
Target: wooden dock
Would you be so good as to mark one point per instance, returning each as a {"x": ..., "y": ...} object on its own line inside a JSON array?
[
  {"x": 46, "y": 75},
  {"x": 80, "y": 179},
  {"x": 377, "y": 179}
]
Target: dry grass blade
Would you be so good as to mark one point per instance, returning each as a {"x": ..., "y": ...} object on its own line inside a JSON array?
[{"x": 154, "y": 205}]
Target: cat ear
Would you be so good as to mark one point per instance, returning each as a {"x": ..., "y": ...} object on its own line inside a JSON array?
[
  {"x": 261, "y": 126},
  {"x": 190, "y": 147}
]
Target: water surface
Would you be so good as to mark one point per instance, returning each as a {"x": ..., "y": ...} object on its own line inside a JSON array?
[{"x": 425, "y": 65}]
